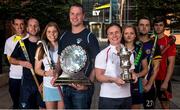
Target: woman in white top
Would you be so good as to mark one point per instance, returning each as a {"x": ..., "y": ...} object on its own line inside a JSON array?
[
  {"x": 51, "y": 95},
  {"x": 114, "y": 92}
]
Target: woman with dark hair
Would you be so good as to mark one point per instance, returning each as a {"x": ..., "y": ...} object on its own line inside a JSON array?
[{"x": 51, "y": 95}]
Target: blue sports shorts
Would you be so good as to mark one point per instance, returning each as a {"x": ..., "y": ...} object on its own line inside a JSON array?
[{"x": 51, "y": 94}]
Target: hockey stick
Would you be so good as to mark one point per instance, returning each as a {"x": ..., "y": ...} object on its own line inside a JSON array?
[
  {"x": 46, "y": 50},
  {"x": 23, "y": 47},
  {"x": 52, "y": 66},
  {"x": 152, "y": 53}
]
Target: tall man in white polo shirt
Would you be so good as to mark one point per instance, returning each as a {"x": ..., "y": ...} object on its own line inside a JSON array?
[{"x": 15, "y": 73}]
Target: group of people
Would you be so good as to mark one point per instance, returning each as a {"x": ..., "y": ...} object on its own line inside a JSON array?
[
  {"x": 32, "y": 74},
  {"x": 24, "y": 84},
  {"x": 153, "y": 64}
]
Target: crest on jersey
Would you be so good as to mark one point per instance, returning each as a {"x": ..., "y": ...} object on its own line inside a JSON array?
[
  {"x": 79, "y": 40},
  {"x": 161, "y": 47},
  {"x": 148, "y": 51}
]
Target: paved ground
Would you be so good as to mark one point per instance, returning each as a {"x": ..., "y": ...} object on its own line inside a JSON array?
[
  {"x": 6, "y": 102},
  {"x": 5, "y": 99},
  {"x": 175, "y": 103}
]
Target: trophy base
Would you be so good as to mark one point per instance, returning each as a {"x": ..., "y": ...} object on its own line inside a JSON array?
[
  {"x": 127, "y": 78},
  {"x": 66, "y": 81}
]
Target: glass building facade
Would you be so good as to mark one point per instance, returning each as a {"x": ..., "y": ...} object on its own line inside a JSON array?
[{"x": 100, "y": 13}]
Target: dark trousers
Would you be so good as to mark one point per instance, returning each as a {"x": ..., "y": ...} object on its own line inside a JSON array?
[
  {"x": 75, "y": 99},
  {"x": 14, "y": 90},
  {"x": 30, "y": 97},
  {"x": 115, "y": 103}
]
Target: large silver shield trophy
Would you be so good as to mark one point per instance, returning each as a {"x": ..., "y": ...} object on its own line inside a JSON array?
[
  {"x": 125, "y": 64},
  {"x": 73, "y": 60}
]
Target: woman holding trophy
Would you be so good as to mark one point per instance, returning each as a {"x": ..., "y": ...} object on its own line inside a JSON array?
[
  {"x": 110, "y": 71},
  {"x": 130, "y": 40},
  {"x": 47, "y": 56}
]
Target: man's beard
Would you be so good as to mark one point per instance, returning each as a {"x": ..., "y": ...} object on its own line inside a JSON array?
[{"x": 142, "y": 34}]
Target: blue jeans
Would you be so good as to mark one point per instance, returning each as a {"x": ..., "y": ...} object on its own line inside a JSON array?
[{"x": 74, "y": 99}]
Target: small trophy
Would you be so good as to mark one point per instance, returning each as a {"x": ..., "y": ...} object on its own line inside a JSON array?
[
  {"x": 125, "y": 64},
  {"x": 73, "y": 62}
]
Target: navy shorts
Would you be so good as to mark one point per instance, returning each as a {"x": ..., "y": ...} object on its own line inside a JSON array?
[
  {"x": 137, "y": 98},
  {"x": 137, "y": 92},
  {"x": 149, "y": 99}
]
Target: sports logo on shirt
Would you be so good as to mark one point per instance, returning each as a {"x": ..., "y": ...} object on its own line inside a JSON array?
[
  {"x": 148, "y": 51},
  {"x": 79, "y": 40},
  {"x": 161, "y": 47}
]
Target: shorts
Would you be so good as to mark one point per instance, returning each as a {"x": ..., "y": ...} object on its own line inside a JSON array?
[
  {"x": 136, "y": 92},
  {"x": 137, "y": 98},
  {"x": 163, "y": 95},
  {"x": 149, "y": 99},
  {"x": 51, "y": 94}
]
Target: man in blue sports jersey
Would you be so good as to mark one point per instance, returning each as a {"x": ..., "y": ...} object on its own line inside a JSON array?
[{"x": 148, "y": 45}]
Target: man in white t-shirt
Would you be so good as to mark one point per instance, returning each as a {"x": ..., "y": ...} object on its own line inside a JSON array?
[{"x": 15, "y": 73}]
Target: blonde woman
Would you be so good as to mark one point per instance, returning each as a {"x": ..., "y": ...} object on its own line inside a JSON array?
[{"x": 130, "y": 40}]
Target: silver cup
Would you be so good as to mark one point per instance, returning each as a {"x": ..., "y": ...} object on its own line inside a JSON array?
[{"x": 125, "y": 64}]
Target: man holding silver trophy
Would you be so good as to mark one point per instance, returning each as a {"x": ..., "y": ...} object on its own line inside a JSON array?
[
  {"x": 77, "y": 50},
  {"x": 114, "y": 69}
]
